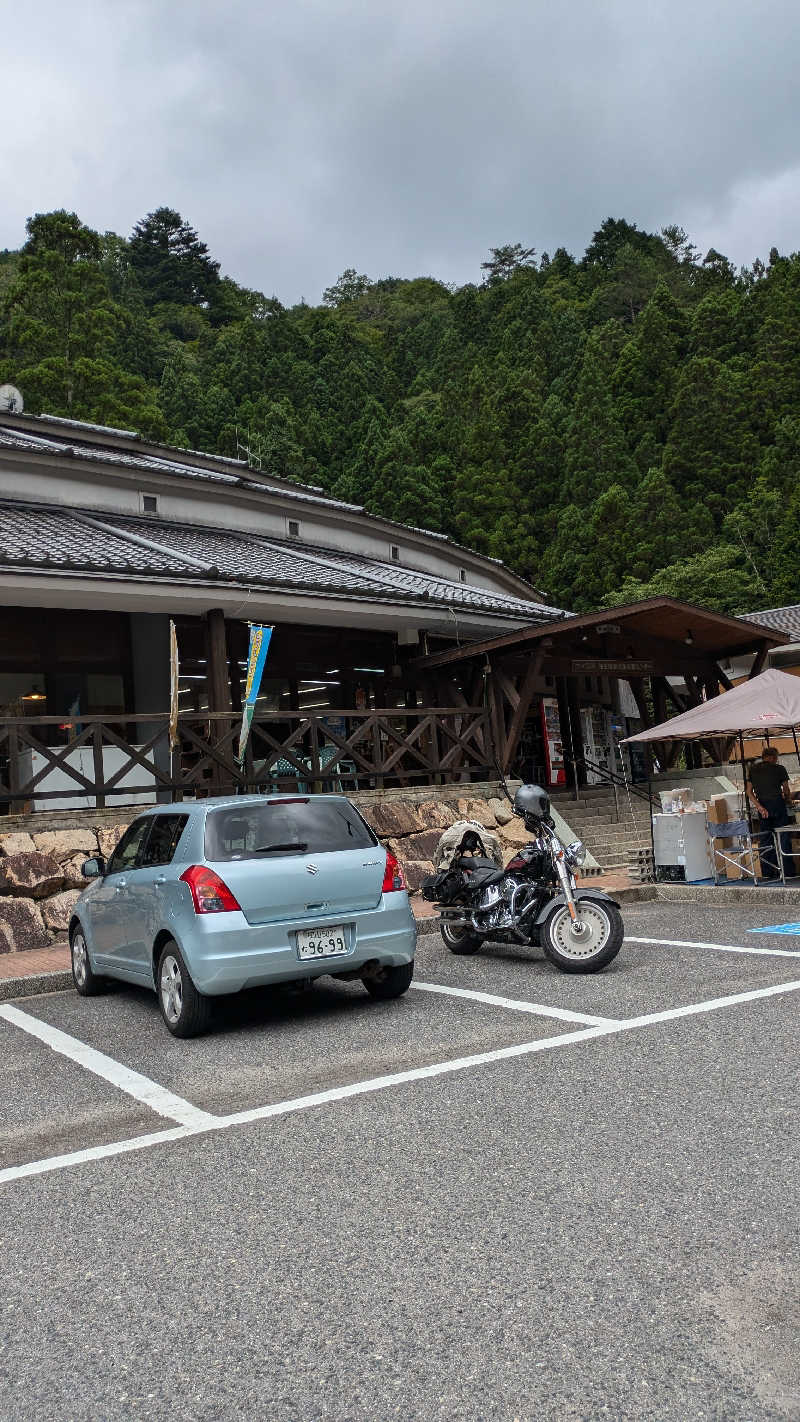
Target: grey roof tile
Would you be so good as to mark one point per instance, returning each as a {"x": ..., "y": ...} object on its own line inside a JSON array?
[
  {"x": 57, "y": 539},
  {"x": 218, "y": 469},
  {"x": 783, "y": 619}
]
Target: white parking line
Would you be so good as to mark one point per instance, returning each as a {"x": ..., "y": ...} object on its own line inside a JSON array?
[
  {"x": 164, "y": 1102},
  {"x": 382, "y": 1083},
  {"x": 716, "y": 947},
  {"x": 538, "y": 1009}
]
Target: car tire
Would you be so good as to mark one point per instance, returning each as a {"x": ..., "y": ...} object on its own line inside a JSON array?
[
  {"x": 87, "y": 982},
  {"x": 573, "y": 955},
  {"x": 186, "y": 1012},
  {"x": 461, "y": 941},
  {"x": 387, "y": 983}
]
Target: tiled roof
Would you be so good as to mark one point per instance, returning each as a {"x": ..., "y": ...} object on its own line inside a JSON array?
[
  {"x": 58, "y": 540},
  {"x": 783, "y": 619},
  {"x": 159, "y": 464},
  {"x": 124, "y": 449}
]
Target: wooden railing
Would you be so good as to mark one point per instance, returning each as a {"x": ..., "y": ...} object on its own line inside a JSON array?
[{"x": 118, "y": 760}]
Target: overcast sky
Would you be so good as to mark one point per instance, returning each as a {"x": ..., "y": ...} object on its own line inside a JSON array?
[{"x": 403, "y": 137}]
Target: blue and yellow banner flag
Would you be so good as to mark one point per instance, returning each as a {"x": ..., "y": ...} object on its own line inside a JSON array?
[{"x": 259, "y": 646}]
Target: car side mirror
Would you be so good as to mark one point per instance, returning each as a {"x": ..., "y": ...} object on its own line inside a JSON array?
[{"x": 94, "y": 868}]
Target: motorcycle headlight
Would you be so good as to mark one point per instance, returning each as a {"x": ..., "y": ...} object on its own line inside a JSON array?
[{"x": 576, "y": 852}]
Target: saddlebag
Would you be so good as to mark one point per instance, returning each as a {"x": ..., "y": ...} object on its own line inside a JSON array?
[
  {"x": 444, "y": 887},
  {"x": 461, "y": 855}
]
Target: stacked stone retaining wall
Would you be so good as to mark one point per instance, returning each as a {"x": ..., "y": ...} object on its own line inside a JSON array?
[{"x": 41, "y": 854}]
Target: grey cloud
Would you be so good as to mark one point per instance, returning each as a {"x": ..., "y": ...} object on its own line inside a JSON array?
[{"x": 405, "y": 138}]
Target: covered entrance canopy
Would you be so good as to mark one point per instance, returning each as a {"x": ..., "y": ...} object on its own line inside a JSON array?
[
  {"x": 763, "y": 706},
  {"x": 668, "y": 651}
]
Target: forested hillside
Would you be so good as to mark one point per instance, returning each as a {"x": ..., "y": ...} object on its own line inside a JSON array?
[{"x": 619, "y": 425}]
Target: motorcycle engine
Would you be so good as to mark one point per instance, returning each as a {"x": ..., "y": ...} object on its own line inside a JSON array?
[{"x": 500, "y": 904}]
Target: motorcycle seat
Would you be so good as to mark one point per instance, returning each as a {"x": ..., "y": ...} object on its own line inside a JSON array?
[{"x": 481, "y": 871}]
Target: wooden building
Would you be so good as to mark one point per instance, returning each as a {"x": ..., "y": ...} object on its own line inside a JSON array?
[{"x": 398, "y": 658}]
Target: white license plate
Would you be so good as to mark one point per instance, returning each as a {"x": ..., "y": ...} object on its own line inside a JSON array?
[{"x": 321, "y": 942}]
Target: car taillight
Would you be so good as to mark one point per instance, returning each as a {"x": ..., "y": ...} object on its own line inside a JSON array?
[
  {"x": 393, "y": 875},
  {"x": 210, "y": 894}
]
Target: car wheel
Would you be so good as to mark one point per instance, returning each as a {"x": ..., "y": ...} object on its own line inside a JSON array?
[
  {"x": 87, "y": 981},
  {"x": 186, "y": 1012},
  {"x": 597, "y": 941},
  {"x": 386, "y": 983}
]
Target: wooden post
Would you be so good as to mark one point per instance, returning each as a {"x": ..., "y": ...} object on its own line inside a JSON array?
[
  {"x": 97, "y": 761},
  {"x": 523, "y": 707},
  {"x": 16, "y": 807},
  {"x": 219, "y": 697}
]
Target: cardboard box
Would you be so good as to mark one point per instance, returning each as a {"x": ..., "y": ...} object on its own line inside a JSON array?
[{"x": 721, "y": 809}]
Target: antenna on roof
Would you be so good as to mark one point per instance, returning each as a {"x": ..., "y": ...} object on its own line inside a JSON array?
[
  {"x": 11, "y": 402},
  {"x": 250, "y": 446}
]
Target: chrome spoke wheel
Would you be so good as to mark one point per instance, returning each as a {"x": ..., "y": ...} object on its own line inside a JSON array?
[
  {"x": 583, "y": 937},
  {"x": 80, "y": 959},
  {"x": 171, "y": 988}
]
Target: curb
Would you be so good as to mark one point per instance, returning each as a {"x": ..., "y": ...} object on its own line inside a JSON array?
[{"x": 35, "y": 983}]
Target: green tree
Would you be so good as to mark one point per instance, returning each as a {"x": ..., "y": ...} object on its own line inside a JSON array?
[
  {"x": 716, "y": 578},
  {"x": 506, "y": 261},
  {"x": 347, "y": 288},
  {"x": 57, "y": 313},
  {"x": 596, "y": 454},
  {"x": 170, "y": 261}
]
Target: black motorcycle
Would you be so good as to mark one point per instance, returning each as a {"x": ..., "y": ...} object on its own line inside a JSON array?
[{"x": 534, "y": 900}]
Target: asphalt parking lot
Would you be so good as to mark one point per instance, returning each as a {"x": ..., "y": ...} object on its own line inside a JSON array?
[{"x": 512, "y": 1194}]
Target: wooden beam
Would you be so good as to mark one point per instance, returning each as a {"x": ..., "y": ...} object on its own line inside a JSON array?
[
  {"x": 496, "y": 723},
  {"x": 522, "y": 708},
  {"x": 758, "y": 665},
  {"x": 507, "y": 687},
  {"x": 218, "y": 686},
  {"x": 559, "y": 627}
]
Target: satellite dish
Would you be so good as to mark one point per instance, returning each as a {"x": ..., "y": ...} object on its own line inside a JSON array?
[{"x": 11, "y": 402}]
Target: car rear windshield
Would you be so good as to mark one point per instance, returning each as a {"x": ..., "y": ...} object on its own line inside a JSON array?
[{"x": 280, "y": 828}]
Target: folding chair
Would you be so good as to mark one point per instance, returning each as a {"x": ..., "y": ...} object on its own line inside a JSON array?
[
  {"x": 782, "y": 854},
  {"x": 736, "y": 852}
]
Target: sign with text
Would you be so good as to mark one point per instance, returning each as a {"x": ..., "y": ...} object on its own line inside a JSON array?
[{"x": 605, "y": 666}]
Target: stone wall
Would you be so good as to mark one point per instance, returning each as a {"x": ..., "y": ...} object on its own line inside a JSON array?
[
  {"x": 40, "y": 879},
  {"x": 40, "y": 867}
]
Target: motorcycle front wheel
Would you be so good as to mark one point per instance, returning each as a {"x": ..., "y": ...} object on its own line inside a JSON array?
[
  {"x": 591, "y": 946},
  {"x": 461, "y": 941}
]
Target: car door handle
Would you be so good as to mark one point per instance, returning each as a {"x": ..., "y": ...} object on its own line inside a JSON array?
[
  {"x": 120, "y": 884},
  {"x": 161, "y": 879}
]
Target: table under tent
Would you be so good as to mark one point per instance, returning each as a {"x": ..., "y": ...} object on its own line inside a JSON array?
[{"x": 718, "y": 835}]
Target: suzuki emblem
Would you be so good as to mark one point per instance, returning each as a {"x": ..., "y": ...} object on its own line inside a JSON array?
[{"x": 312, "y": 869}]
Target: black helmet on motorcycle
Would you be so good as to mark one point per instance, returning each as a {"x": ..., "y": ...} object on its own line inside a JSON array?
[{"x": 532, "y": 800}]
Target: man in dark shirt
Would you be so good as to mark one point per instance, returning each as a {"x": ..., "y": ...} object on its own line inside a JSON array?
[{"x": 768, "y": 793}]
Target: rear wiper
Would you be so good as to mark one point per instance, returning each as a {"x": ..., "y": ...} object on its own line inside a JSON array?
[{"x": 269, "y": 848}]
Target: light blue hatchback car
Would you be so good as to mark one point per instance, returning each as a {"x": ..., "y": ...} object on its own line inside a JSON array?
[{"x": 212, "y": 897}]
